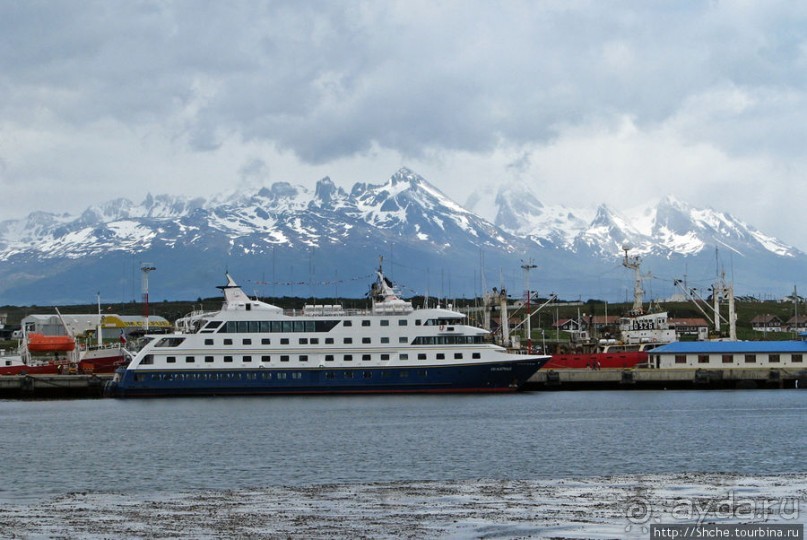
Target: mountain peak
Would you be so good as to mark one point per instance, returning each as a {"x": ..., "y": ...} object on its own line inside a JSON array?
[{"x": 405, "y": 174}]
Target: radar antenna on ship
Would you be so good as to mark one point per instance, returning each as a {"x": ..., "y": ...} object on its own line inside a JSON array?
[{"x": 383, "y": 289}]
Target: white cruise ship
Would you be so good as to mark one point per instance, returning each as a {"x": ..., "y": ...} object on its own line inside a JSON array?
[{"x": 252, "y": 347}]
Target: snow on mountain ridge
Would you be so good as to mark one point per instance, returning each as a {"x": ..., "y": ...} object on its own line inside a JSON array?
[{"x": 405, "y": 205}]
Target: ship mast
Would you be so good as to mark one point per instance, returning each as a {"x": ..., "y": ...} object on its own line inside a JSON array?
[
  {"x": 635, "y": 263},
  {"x": 527, "y": 266}
]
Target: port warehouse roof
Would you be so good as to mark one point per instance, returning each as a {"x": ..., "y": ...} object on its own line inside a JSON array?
[
  {"x": 733, "y": 347},
  {"x": 51, "y": 324}
]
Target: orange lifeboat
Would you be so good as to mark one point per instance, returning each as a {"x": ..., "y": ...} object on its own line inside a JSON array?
[{"x": 41, "y": 343}]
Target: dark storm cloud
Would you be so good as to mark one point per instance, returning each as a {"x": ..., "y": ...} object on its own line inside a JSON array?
[{"x": 328, "y": 79}]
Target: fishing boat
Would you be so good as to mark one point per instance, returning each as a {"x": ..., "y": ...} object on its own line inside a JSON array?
[
  {"x": 41, "y": 354},
  {"x": 640, "y": 330},
  {"x": 253, "y": 347}
]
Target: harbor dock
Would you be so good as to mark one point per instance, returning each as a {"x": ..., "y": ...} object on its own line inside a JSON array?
[
  {"x": 92, "y": 386},
  {"x": 53, "y": 386},
  {"x": 662, "y": 379}
]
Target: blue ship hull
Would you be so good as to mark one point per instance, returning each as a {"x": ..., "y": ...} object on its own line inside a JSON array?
[{"x": 496, "y": 377}]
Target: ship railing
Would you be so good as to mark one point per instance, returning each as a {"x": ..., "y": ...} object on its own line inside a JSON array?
[
  {"x": 322, "y": 313},
  {"x": 389, "y": 310}
]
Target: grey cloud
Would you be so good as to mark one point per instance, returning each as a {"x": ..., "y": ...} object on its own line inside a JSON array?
[{"x": 328, "y": 80}]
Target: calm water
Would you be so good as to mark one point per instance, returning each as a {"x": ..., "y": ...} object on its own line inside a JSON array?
[{"x": 166, "y": 445}]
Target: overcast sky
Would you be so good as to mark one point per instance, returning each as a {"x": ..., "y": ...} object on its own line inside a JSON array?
[{"x": 588, "y": 102}]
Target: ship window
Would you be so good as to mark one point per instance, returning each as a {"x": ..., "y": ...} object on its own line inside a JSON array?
[
  {"x": 348, "y": 358},
  {"x": 365, "y": 323},
  {"x": 297, "y": 375},
  {"x": 457, "y": 356},
  {"x": 266, "y": 358},
  {"x": 403, "y": 356},
  {"x": 365, "y": 357},
  {"x": 148, "y": 359},
  {"x": 404, "y": 374},
  {"x": 328, "y": 341},
  {"x": 190, "y": 359},
  {"x": 347, "y": 323},
  {"x": 365, "y": 340},
  {"x": 171, "y": 359},
  {"x": 286, "y": 325},
  {"x": 368, "y": 374},
  {"x": 385, "y": 357},
  {"x": 421, "y": 356},
  {"x": 348, "y": 374},
  {"x": 728, "y": 358},
  {"x": 703, "y": 358},
  {"x": 329, "y": 358},
  {"x": 243, "y": 326},
  {"x": 246, "y": 359},
  {"x": 170, "y": 342},
  {"x": 208, "y": 358},
  {"x": 310, "y": 326},
  {"x": 441, "y": 356},
  {"x": 265, "y": 327},
  {"x": 417, "y": 322},
  {"x": 299, "y": 326},
  {"x": 228, "y": 358},
  {"x": 797, "y": 358},
  {"x": 476, "y": 356},
  {"x": 254, "y": 327},
  {"x": 402, "y": 322},
  {"x": 680, "y": 359},
  {"x": 348, "y": 340},
  {"x": 247, "y": 341},
  {"x": 281, "y": 375},
  {"x": 303, "y": 341},
  {"x": 208, "y": 342},
  {"x": 384, "y": 322},
  {"x": 403, "y": 339},
  {"x": 423, "y": 373},
  {"x": 330, "y": 375},
  {"x": 314, "y": 341},
  {"x": 384, "y": 340},
  {"x": 284, "y": 341},
  {"x": 750, "y": 358},
  {"x": 266, "y": 341},
  {"x": 774, "y": 358},
  {"x": 303, "y": 358},
  {"x": 228, "y": 341},
  {"x": 284, "y": 358}
]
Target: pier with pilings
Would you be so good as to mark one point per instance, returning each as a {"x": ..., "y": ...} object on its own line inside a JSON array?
[
  {"x": 660, "y": 379},
  {"x": 53, "y": 386}
]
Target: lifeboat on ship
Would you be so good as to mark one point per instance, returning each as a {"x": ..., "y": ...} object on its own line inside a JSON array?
[{"x": 40, "y": 343}]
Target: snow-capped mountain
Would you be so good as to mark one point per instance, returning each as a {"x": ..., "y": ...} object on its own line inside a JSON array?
[
  {"x": 668, "y": 228},
  {"x": 289, "y": 239}
]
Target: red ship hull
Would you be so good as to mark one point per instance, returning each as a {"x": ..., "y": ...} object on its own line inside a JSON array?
[
  {"x": 606, "y": 360},
  {"x": 22, "y": 369},
  {"x": 102, "y": 361}
]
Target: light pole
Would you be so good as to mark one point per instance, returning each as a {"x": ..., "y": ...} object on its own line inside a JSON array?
[{"x": 145, "y": 268}]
